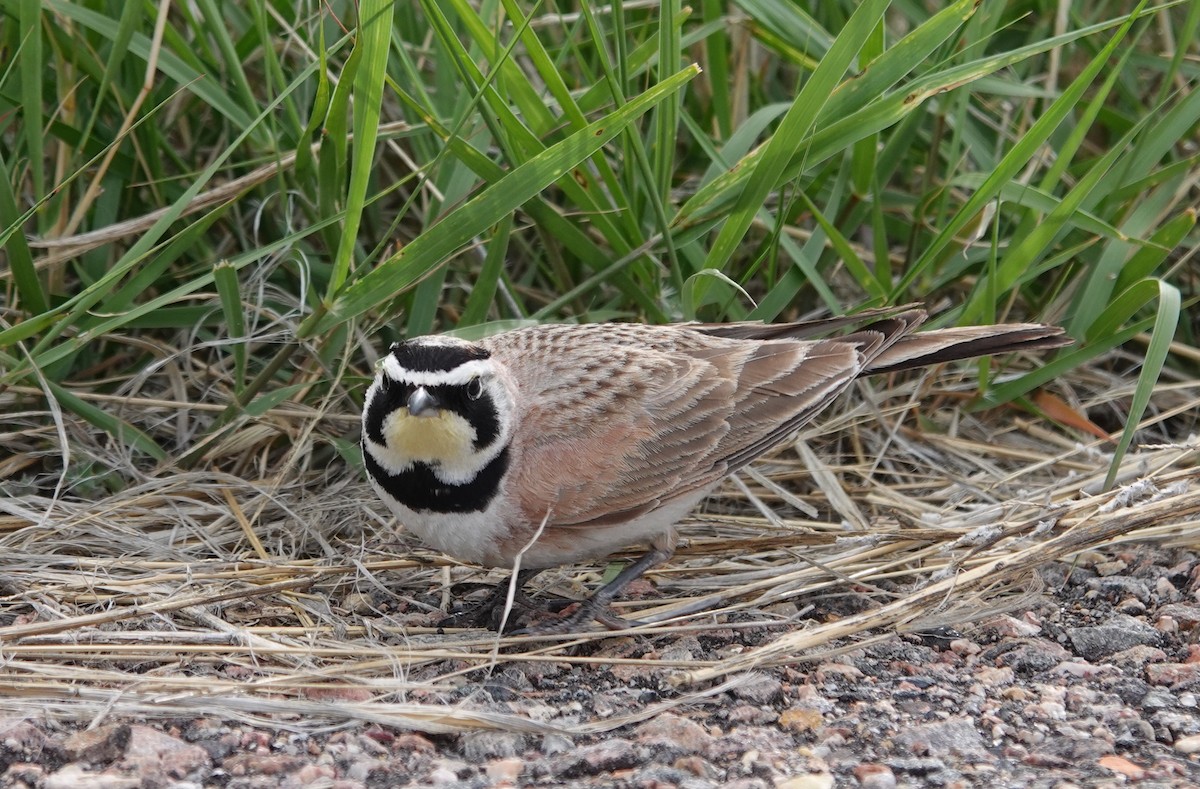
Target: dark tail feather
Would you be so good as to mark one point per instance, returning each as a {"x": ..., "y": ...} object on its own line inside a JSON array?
[
  {"x": 800, "y": 330},
  {"x": 891, "y": 342},
  {"x": 966, "y": 342}
]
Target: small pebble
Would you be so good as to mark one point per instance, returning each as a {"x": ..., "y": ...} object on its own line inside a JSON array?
[{"x": 1189, "y": 744}]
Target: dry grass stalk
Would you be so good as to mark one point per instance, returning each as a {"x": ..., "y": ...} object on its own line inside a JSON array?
[{"x": 213, "y": 593}]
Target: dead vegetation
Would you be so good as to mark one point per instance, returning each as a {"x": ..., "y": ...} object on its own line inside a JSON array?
[{"x": 288, "y": 598}]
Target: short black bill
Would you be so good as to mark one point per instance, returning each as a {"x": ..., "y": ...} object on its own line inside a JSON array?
[{"x": 422, "y": 403}]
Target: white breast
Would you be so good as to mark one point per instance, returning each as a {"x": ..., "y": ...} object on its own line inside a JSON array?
[
  {"x": 468, "y": 536},
  {"x": 477, "y": 537}
]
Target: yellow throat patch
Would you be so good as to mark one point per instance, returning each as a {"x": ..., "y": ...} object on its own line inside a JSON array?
[{"x": 446, "y": 438}]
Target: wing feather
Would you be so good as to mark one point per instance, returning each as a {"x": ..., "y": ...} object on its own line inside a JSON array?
[
  {"x": 617, "y": 420},
  {"x": 664, "y": 419}
]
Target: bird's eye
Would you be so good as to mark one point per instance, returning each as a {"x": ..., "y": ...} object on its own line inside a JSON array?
[{"x": 475, "y": 388}]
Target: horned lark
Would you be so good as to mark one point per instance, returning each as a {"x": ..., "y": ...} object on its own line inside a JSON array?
[{"x": 549, "y": 445}]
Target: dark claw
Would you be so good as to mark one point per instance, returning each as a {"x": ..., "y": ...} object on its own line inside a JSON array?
[
  {"x": 490, "y": 611},
  {"x": 577, "y": 622},
  {"x": 596, "y": 608}
]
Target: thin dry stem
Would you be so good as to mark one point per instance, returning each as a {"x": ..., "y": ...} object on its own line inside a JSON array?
[{"x": 262, "y": 597}]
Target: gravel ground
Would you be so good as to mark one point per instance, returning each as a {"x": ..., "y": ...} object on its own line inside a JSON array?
[{"x": 1093, "y": 682}]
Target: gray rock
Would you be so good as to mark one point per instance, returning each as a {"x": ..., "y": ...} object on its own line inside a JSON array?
[
  {"x": 1131, "y": 731},
  {"x": 955, "y": 736},
  {"x": 1138, "y": 656},
  {"x": 762, "y": 691},
  {"x": 73, "y": 776},
  {"x": 602, "y": 757},
  {"x": 97, "y": 746},
  {"x": 159, "y": 756},
  {"x": 556, "y": 743},
  {"x": 22, "y": 741},
  {"x": 479, "y": 746},
  {"x": 1173, "y": 674},
  {"x": 1033, "y": 657},
  {"x": 662, "y": 775},
  {"x": 1117, "y": 586},
  {"x": 917, "y": 766},
  {"x": 1188, "y": 616},
  {"x": 1072, "y": 750},
  {"x": 875, "y": 776},
  {"x": 1176, "y": 723},
  {"x": 1121, "y": 632},
  {"x": 753, "y": 715},
  {"x": 674, "y": 732},
  {"x": 737, "y": 741},
  {"x": 1158, "y": 700},
  {"x": 447, "y": 771}
]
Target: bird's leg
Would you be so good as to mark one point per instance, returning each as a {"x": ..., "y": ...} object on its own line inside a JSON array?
[
  {"x": 489, "y": 612},
  {"x": 597, "y": 606}
]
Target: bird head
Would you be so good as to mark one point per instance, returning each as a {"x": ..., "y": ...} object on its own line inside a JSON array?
[{"x": 439, "y": 401}]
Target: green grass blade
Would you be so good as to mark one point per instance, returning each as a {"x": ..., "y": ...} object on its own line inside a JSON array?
[
  {"x": 867, "y": 279},
  {"x": 1165, "y": 323},
  {"x": 1017, "y": 157},
  {"x": 1170, "y": 172},
  {"x": 850, "y": 98},
  {"x": 1028, "y": 249},
  {"x": 545, "y": 65},
  {"x": 305, "y": 169},
  {"x": 556, "y": 225},
  {"x": 1184, "y": 34},
  {"x": 787, "y": 141},
  {"x": 229, "y": 292},
  {"x": 1150, "y": 257},
  {"x": 717, "y": 69},
  {"x": 604, "y": 203},
  {"x": 666, "y": 115},
  {"x": 1098, "y": 280},
  {"x": 268, "y": 400},
  {"x": 1164, "y": 136},
  {"x": 1077, "y": 136},
  {"x": 169, "y": 63},
  {"x": 32, "y": 67},
  {"x": 125, "y": 433},
  {"x": 1042, "y": 202},
  {"x": 221, "y": 35},
  {"x": 739, "y": 143},
  {"x": 854, "y": 112},
  {"x": 418, "y": 259},
  {"x": 1064, "y": 362},
  {"x": 102, "y": 325},
  {"x": 132, "y": 15},
  {"x": 62, "y": 317},
  {"x": 20, "y": 259},
  {"x": 375, "y": 23},
  {"x": 483, "y": 291},
  {"x": 145, "y": 276},
  {"x": 788, "y": 29},
  {"x": 696, "y": 294},
  {"x": 1122, "y": 308}
]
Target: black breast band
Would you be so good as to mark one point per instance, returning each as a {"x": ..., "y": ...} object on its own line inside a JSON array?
[{"x": 420, "y": 490}]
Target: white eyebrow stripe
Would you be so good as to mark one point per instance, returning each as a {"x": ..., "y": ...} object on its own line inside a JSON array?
[{"x": 458, "y": 376}]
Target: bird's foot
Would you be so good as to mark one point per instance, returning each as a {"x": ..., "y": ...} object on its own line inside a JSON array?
[
  {"x": 589, "y": 611},
  {"x": 489, "y": 613},
  {"x": 529, "y": 618}
]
